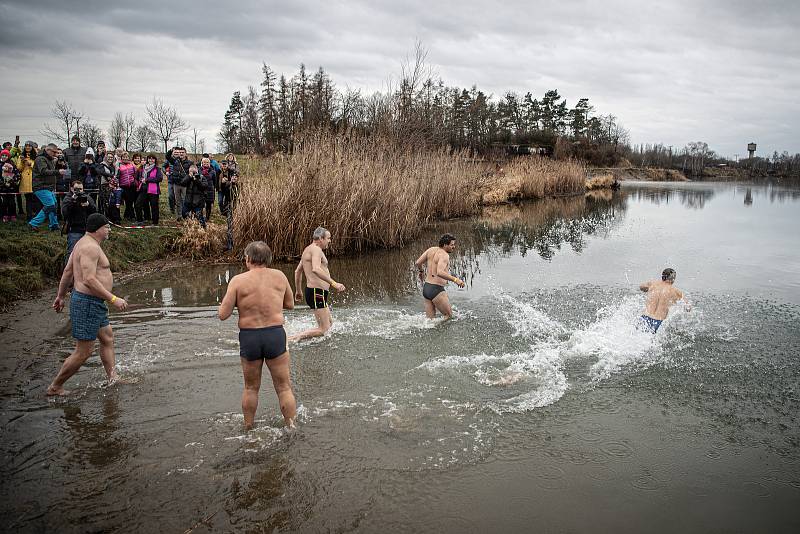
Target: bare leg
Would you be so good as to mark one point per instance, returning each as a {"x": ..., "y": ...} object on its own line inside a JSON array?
[
  {"x": 324, "y": 322},
  {"x": 442, "y": 303},
  {"x": 430, "y": 310},
  {"x": 83, "y": 349},
  {"x": 251, "y": 370},
  {"x": 279, "y": 369},
  {"x": 106, "y": 337}
]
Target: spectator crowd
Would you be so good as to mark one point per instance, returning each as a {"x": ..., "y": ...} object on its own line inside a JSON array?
[{"x": 64, "y": 186}]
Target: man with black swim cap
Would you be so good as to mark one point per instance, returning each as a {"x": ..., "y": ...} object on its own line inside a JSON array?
[
  {"x": 437, "y": 260},
  {"x": 661, "y": 295},
  {"x": 261, "y": 294},
  {"x": 89, "y": 270}
]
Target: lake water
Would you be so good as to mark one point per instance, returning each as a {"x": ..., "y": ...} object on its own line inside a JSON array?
[{"x": 537, "y": 408}]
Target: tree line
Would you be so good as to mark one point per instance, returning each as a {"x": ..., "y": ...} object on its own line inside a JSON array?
[
  {"x": 418, "y": 108},
  {"x": 161, "y": 124}
]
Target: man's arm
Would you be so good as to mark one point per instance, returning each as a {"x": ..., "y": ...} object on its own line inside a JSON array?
[
  {"x": 316, "y": 268},
  {"x": 288, "y": 298},
  {"x": 228, "y": 301},
  {"x": 421, "y": 261},
  {"x": 298, "y": 280},
  {"x": 443, "y": 268},
  {"x": 63, "y": 285}
]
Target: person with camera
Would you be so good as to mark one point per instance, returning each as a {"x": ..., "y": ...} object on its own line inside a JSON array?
[
  {"x": 110, "y": 193},
  {"x": 87, "y": 173},
  {"x": 76, "y": 208},
  {"x": 44, "y": 178},
  {"x": 228, "y": 191},
  {"x": 196, "y": 185},
  {"x": 9, "y": 187},
  {"x": 179, "y": 170}
]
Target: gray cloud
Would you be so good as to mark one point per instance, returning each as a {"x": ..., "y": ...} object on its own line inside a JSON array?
[{"x": 723, "y": 72}]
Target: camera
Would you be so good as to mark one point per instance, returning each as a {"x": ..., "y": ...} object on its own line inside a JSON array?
[{"x": 80, "y": 197}]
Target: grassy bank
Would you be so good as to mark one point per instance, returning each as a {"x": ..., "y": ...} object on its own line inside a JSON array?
[
  {"x": 371, "y": 193},
  {"x": 31, "y": 261}
]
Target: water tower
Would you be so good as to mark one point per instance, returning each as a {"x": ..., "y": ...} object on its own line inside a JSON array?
[{"x": 751, "y": 149}]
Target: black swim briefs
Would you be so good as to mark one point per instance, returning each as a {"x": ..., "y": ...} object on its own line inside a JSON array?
[
  {"x": 317, "y": 298},
  {"x": 262, "y": 343},
  {"x": 429, "y": 291}
]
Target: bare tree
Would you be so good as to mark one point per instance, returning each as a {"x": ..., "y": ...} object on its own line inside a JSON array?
[
  {"x": 130, "y": 128},
  {"x": 164, "y": 121},
  {"x": 67, "y": 122},
  {"x": 116, "y": 131},
  {"x": 143, "y": 138},
  {"x": 201, "y": 145},
  {"x": 90, "y": 134},
  {"x": 194, "y": 141}
]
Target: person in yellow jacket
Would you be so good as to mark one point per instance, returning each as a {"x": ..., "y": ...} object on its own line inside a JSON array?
[{"x": 24, "y": 163}]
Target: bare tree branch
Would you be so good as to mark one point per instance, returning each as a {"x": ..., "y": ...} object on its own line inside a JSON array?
[{"x": 164, "y": 121}]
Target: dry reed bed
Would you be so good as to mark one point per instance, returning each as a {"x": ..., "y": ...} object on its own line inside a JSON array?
[
  {"x": 371, "y": 193},
  {"x": 600, "y": 181}
]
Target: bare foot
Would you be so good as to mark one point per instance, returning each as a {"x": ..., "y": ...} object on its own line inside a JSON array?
[
  {"x": 116, "y": 379},
  {"x": 290, "y": 424},
  {"x": 57, "y": 391}
]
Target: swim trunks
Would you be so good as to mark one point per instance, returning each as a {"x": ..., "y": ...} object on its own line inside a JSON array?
[
  {"x": 262, "y": 343},
  {"x": 88, "y": 315},
  {"x": 429, "y": 291},
  {"x": 649, "y": 324},
  {"x": 317, "y": 298}
]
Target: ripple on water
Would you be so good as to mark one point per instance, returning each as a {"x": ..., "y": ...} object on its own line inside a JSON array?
[
  {"x": 617, "y": 449},
  {"x": 756, "y": 489},
  {"x": 550, "y": 477}
]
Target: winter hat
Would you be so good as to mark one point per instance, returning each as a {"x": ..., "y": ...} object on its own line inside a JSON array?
[
  {"x": 5, "y": 152},
  {"x": 90, "y": 152},
  {"x": 95, "y": 221}
]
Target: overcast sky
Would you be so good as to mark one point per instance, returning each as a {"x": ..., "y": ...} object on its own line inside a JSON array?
[{"x": 724, "y": 72}]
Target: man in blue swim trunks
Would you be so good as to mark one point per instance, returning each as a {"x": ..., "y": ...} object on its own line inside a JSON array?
[
  {"x": 661, "y": 295},
  {"x": 89, "y": 270},
  {"x": 261, "y": 294}
]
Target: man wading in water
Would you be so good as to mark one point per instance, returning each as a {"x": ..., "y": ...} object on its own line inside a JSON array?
[
  {"x": 261, "y": 294},
  {"x": 314, "y": 265},
  {"x": 661, "y": 294},
  {"x": 437, "y": 260},
  {"x": 89, "y": 269}
]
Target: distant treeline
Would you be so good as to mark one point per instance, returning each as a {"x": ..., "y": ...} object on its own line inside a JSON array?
[
  {"x": 418, "y": 109},
  {"x": 697, "y": 156}
]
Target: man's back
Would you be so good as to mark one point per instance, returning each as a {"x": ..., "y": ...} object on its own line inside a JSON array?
[
  {"x": 260, "y": 297},
  {"x": 435, "y": 256},
  {"x": 660, "y": 296}
]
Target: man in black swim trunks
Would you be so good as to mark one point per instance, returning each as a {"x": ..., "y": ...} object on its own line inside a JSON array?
[
  {"x": 261, "y": 294},
  {"x": 314, "y": 265},
  {"x": 437, "y": 260}
]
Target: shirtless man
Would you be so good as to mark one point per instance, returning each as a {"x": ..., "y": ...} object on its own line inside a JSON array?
[
  {"x": 88, "y": 268},
  {"x": 661, "y": 295},
  {"x": 314, "y": 265},
  {"x": 261, "y": 294},
  {"x": 437, "y": 260}
]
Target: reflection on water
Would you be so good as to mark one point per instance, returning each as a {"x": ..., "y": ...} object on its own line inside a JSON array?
[
  {"x": 538, "y": 402},
  {"x": 692, "y": 198}
]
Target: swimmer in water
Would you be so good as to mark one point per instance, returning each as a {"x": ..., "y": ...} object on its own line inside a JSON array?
[
  {"x": 437, "y": 260},
  {"x": 661, "y": 295},
  {"x": 314, "y": 265},
  {"x": 261, "y": 294}
]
